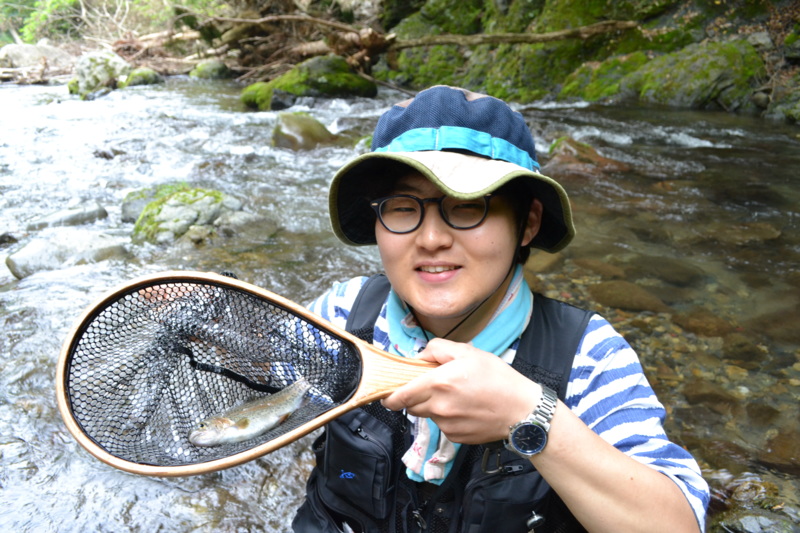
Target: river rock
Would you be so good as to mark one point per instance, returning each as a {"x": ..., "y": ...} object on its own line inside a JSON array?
[
  {"x": 711, "y": 395},
  {"x": 669, "y": 269},
  {"x": 70, "y": 217},
  {"x": 604, "y": 269},
  {"x": 628, "y": 296},
  {"x": 782, "y": 451},
  {"x": 213, "y": 69},
  {"x": 780, "y": 325},
  {"x": 142, "y": 76},
  {"x": 543, "y": 262},
  {"x": 33, "y": 55},
  {"x": 744, "y": 234},
  {"x": 740, "y": 347},
  {"x": 569, "y": 157},
  {"x": 701, "y": 321},
  {"x": 300, "y": 131},
  {"x": 96, "y": 71},
  {"x": 56, "y": 249},
  {"x": 706, "y": 75},
  {"x": 168, "y": 218},
  {"x": 323, "y": 76}
]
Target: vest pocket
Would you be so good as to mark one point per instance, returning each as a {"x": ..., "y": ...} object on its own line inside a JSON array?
[
  {"x": 504, "y": 501},
  {"x": 357, "y": 466}
]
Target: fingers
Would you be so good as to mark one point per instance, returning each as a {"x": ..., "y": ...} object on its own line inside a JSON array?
[{"x": 473, "y": 395}]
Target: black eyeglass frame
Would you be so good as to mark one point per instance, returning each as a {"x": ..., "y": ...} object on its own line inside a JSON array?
[{"x": 378, "y": 203}]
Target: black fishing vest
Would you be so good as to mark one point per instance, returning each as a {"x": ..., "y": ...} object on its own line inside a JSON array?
[{"x": 359, "y": 477}]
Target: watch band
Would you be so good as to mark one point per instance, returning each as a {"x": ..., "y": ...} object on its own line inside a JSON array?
[{"x": 544, "y": 412}]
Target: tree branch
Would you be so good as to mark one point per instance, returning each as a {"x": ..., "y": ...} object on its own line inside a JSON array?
[{"x": 583, "y": 32}]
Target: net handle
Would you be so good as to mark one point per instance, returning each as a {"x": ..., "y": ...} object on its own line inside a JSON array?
[{"x": 381, "y": 374}]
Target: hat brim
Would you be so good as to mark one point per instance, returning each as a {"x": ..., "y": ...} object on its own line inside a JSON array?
[{"x": 456, "y": 174}]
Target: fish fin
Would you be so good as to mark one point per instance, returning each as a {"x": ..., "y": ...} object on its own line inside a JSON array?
[{"x": 243, "y": 423}]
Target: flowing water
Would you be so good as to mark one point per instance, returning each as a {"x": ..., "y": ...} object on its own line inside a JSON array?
[{"x": 717, "y": 193}]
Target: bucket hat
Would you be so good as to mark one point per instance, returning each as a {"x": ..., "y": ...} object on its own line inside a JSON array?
[{"x": 467, "y": 144}]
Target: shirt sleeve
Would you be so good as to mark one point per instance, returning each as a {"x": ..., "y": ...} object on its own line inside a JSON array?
[
  {"x": 334, "y": 305},
  {"x": 610, "y": 393}
]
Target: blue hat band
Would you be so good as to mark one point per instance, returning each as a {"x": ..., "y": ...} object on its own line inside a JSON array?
[{"x": 458, "y": 138}]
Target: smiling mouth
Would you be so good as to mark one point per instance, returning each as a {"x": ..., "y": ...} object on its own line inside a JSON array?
[{"x": 436, "y": 269}]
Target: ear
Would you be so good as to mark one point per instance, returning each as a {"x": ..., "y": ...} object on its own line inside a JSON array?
[{"x": 533, "y": 223}]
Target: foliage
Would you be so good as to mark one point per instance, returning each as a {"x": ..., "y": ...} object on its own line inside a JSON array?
[{"x": 99, "y": 19}]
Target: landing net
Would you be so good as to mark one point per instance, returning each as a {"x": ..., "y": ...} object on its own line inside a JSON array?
[{"x": 148, "y": 366}]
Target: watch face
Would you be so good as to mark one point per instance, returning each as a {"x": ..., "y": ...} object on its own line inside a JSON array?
[{"x": 529, "y": 438}]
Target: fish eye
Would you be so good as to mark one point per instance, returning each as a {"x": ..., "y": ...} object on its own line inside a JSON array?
[{"x": 202, "y": 425}]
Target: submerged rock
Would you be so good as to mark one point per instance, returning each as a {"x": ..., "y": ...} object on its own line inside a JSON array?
[
  {"x": 701, "y": 321},
  {"x": 300, "y": 131},
  {"x": 628, "y": 296},
  {"x": 65, "y": 247},
  {"x": 569, "y": 157},
  {"x": 70, "y": 217}
]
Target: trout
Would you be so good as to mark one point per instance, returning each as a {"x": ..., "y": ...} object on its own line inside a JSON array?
[{"x": 251, "y": 419}]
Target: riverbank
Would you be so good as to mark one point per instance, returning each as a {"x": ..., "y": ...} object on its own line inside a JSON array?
[{"x": 738, "y": 56}]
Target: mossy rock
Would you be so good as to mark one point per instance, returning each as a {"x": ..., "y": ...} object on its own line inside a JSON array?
[
  {"x": 597, "y": 80},
  {"x": 257, "y": 96},
  {"x": 300, "y": 131},
  {"x": 706, "y": 75},
  {"x": 169, "y": 217},
  {"x": 785, "y": 102},
  {"x": 142, "y": 76},
  {"x": 98, "y": 71},
  {"x": 211, "y": 70},
  {"x": 327, "y": 76}
]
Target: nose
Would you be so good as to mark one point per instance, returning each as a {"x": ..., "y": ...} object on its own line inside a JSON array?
[{"x": 433, "y": 233}]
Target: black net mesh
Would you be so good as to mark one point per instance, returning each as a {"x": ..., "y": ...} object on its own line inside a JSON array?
[{"x": 147, "y": 367}]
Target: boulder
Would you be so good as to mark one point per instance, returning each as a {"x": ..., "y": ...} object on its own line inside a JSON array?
[
  {"x": 56, "y": 249},
  {"x": 300, "y": 131},
  {"x": 33, "y": 55},
  {"x": 323, "y": 76},
  {"x": 213, "y": 69},
  {"x": 98, "y": 71},
  {"x": 706, "y": 75},
  {"x": 166, "y": 219},
  {"x": 142, "y": 76}
]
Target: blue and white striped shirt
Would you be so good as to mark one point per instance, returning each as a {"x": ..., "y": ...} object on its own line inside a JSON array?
[{"x": 607, "y": 389}]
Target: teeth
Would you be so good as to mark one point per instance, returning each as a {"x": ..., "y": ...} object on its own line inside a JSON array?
[{"x": 436, "y": 269}]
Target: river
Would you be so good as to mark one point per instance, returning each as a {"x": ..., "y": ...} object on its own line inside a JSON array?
[{"x": 713, "y": 194}]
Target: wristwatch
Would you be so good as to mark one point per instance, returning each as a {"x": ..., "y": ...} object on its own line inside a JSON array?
[{"x": 529, "y": 437}]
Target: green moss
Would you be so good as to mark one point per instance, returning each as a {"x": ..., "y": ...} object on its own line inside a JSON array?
[
  {"x": 142, "y": 76},
  {"x": 211, "y": 70},
  {"x": 257, "y": 96},
  {"x": 701, "y": 76},
  {"x": 595, "y": 81},
  {"x": 147, "y": 226},
  {"x": 324, "y": 76}
]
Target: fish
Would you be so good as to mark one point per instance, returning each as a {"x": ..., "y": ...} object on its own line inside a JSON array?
[{"x": 251, "y": 419}]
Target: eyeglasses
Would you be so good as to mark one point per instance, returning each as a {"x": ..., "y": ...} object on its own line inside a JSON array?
[{"x": 403, "y": 213}]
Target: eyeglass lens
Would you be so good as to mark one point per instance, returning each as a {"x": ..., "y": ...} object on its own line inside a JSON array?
[{"x": 404, "y": 213}]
